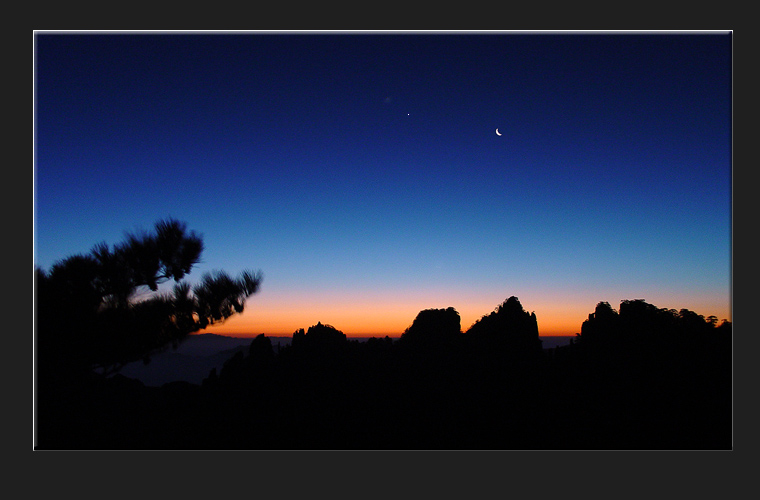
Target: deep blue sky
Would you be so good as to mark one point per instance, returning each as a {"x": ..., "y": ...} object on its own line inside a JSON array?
[{"x": 363, "y": 175}]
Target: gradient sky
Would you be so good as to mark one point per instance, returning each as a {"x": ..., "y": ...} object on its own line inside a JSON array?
[{"x": 361, "y": 173}]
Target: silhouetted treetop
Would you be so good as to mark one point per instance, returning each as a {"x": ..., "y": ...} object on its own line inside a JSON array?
[
  {"x": 218, "y": 296},
  {"x": 89, "y": 309},
  {"x": 146, "y": 260}
]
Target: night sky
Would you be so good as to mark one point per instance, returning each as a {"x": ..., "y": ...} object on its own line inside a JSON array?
[{"x": 362, "y": 173}]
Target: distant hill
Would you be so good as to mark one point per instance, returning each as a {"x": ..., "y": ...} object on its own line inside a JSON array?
[
  {"x": 552, "y": 342},
  {"x": 210, "y": 343},
  {"x": 173, "y": 366},
  {"x": 199, "y": 354},
  {"x": 192, "y": 360}
]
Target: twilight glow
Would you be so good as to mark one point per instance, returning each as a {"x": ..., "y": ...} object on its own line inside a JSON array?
[{"x": 362, "y": 175}]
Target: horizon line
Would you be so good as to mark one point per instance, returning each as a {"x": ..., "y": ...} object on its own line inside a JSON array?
[{"x": 348, "y": 336}]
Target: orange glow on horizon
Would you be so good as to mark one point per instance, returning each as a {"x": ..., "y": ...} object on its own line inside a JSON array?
[
  {"x": 379, "y": 315},
  {"x": 379, "y": 321}
]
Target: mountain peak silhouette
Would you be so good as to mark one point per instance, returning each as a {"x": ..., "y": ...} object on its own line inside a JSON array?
[{"x": 508, "y": 327}]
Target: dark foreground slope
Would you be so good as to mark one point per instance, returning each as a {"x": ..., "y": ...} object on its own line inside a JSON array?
[{"x": 640, "y": 378}]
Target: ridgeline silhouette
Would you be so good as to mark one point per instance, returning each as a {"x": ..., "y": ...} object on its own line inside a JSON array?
[{"x": 638, "y": 378}]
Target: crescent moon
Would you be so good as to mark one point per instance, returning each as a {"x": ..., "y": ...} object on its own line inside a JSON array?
[{"x": 497, "y": 132}]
